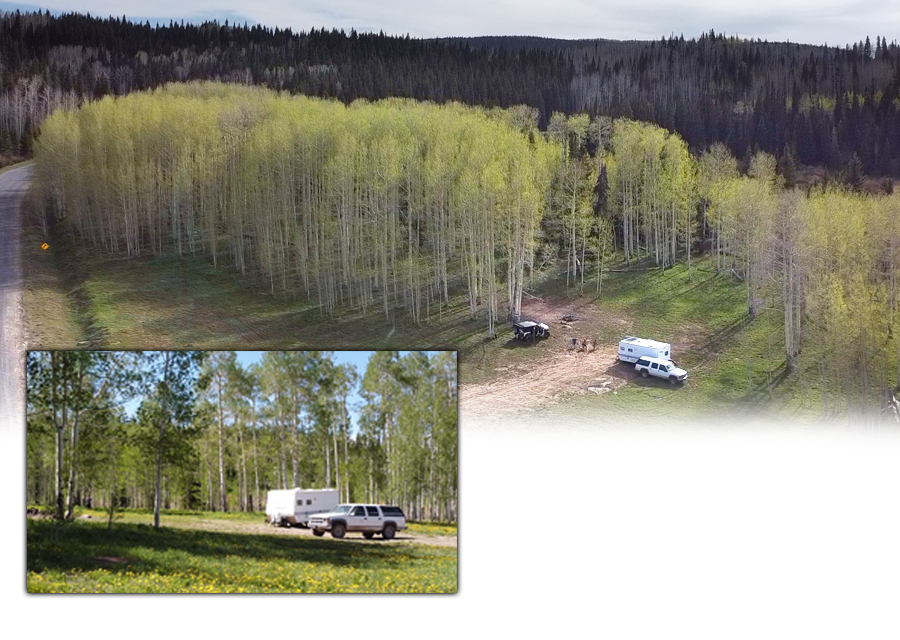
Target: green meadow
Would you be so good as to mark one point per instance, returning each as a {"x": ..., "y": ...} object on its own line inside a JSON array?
[{"x": 223, "y": 553}]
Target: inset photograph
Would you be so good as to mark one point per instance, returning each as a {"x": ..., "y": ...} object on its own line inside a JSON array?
[{"x": 241, "y": 471}]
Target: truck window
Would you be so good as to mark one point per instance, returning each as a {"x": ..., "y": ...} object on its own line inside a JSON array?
[
  {"x": 373, "y": 511},
  {"x": 358, "y": 511}
]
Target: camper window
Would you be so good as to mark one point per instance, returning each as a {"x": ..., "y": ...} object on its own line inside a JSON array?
[
  {"x": 300, "y": 502},
  {"x": 309, "y": 502}
]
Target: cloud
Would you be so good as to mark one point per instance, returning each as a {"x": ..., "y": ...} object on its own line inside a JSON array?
[{"x": 806, "y": 21}]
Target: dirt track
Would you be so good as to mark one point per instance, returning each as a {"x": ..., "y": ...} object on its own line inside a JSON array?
[
  {"x": 402, "y": 536},
  {"x": 561, "y": 373}
]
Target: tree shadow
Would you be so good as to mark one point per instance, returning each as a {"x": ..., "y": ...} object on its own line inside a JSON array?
[
  {"x": 762, "y": 391},
  {"x": 626, "y": 371},
  {"x": 717, "y": 340},
  {"x": 84, "y": 546},
  {"x": 513, "y": 343}
]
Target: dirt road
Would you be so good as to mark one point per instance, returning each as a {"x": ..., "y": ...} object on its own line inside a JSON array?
[
  {"x": 13, "y": 185},
  {"x": 243, "y": 527}
]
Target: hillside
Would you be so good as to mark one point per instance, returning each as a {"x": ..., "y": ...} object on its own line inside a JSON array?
[{"x": 824, "y": 105}]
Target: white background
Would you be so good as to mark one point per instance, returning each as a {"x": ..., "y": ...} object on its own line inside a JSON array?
[
  {"x": 720, "y": 532},
  {"x": 713, "y": 533}
]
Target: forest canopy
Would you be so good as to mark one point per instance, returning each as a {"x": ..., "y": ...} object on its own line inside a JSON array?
[{"x": 823, "y": 105}]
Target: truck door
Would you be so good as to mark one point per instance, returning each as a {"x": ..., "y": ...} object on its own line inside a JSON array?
[
  {"x": 375, "y": 519},
  {"x": 357, "y": 518}
]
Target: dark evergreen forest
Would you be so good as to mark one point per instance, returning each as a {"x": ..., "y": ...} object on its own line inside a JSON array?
[{"x": 837, "y": 107}]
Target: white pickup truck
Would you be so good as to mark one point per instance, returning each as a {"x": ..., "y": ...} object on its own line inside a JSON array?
[
  {"x": 366, "y": 518},
  {"x": 660, "y": 368}
]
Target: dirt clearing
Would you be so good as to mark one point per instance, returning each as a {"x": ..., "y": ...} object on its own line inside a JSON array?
[
  {"x": 562, "y": 372},
  {"x": 537, "y": 375}
]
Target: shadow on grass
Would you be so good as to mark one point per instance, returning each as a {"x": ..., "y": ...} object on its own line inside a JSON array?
[
  {"x": 187, "y": 302},
  {"x": 73, "y": 275},
  {"x": 720, "y": 339},
  {"x": 762, "y": 391},
  {"x": 513, "y": 343},
  {"x": 84, "y": 547},
  {"x": 626, "y": 371}
]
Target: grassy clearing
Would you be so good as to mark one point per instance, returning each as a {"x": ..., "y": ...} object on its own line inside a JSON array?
[
  {"x": 185, "y": 556},
  {"x": 173, "y": 302},
  {"x": 735, "y": 363},
  {"x": 732, "y": 360},
  {"x": 169, "y": 302},
  {"x": 50, "y": 320}
]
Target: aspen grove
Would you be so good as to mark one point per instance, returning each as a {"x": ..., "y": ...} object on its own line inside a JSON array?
[
  {"x": 373, "y": 205},
  {"x": 215, "y": 434},
  {"x": 397, "y": 206}
]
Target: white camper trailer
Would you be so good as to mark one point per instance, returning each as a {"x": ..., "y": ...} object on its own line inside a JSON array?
[
  {"x": 286, "y": 507},
  {"x": 631, "y": 348}
]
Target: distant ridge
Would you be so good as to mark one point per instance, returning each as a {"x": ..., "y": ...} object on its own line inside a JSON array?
[
  {"x": 518, "y": 43},
  {"x": 824, "y": 106}
]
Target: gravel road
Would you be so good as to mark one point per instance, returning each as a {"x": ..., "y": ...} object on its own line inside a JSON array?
[{"x": 13, "y": 185}]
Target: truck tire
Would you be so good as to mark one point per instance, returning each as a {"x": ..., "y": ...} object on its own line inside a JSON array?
[
  {"x": 368, "y": 535},
  {"x": 388, "y": 532},
  {"x": 529, "y": 337},
  {"x": 318, "y": 533},
  {"x": 338, "y": 530},
  {"x": 644, "y": 373},
  {"x": 673, "y": 380}
]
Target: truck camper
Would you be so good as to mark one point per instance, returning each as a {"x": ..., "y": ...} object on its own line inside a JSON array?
[
  {"x": 631, "y": 348},
  {"x": 289, "y": 507}
]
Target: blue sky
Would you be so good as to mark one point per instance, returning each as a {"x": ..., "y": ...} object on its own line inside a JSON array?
[
  {"x": 835, "y": 22},
  {"x": 358, "y": 359}
]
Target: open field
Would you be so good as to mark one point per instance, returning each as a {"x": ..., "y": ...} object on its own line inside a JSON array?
[
  {"x": 231, "y": 553},
  {"x": 168, "y": 302}
]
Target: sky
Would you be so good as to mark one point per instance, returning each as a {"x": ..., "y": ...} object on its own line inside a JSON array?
[
  {"x": 359, "y": 359},
  {"x": 833, "y": 22}
]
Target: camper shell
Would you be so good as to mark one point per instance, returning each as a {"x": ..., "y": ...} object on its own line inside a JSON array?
[
  {"x": 289, "y": 507},
  {"x": 631, "y": 348}
]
